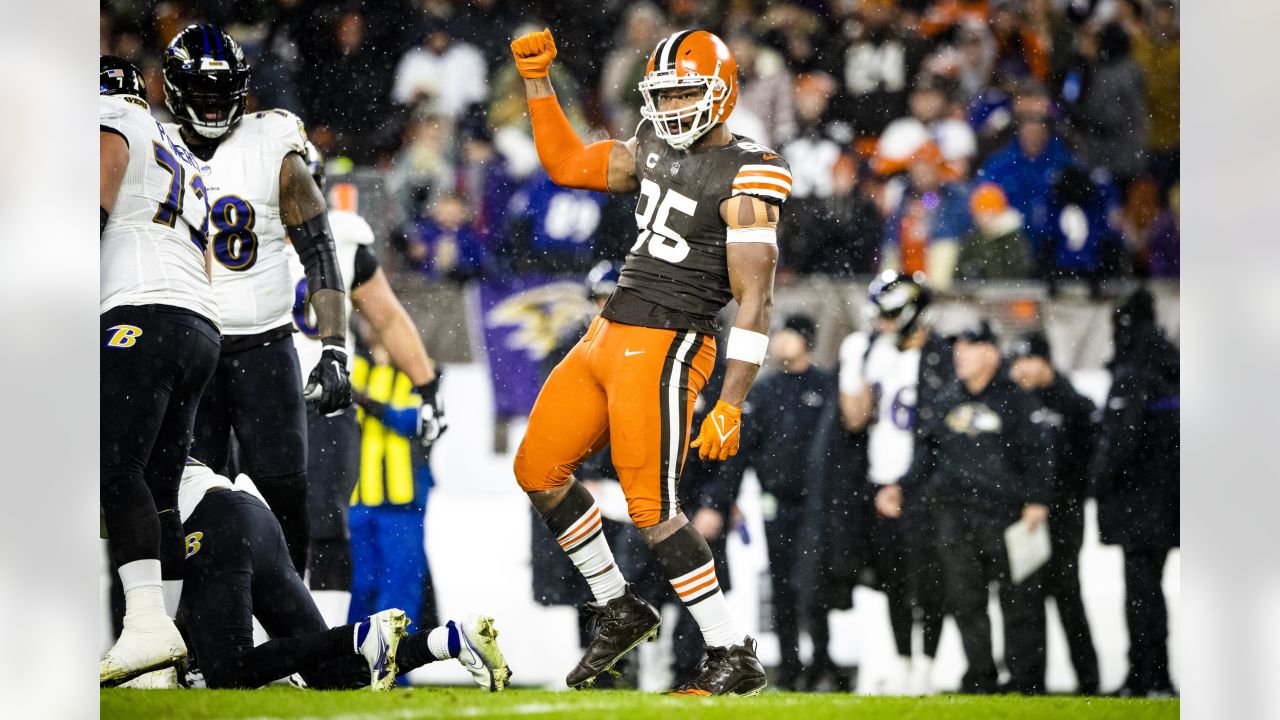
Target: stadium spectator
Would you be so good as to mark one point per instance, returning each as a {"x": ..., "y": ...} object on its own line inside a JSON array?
[
  {"x": 1027, "y": 167},
  {"x": 1157, "y": 48},
  {"x": 443, "y": 246},
  {"x": 1108, "y": 116},
  {"x": 625, "y": 64},
  {"x": 932, "y": 107},
  {"x": 1020, "y": 50},
  {"x": 830, "y": 227},
  {"x": 926, "y": 224},
  {"x": 1081, "y": 243},
  {"x": 785, "y": 408},
  {"x": 1147, "y": 229},
  {"x": 879, "y": 58},
  {"x": 551, "y": 229},
  {"x": 482, "y": 179},
  {"x": 1070, "y": 414},
  {"x": 486, "y": 24},
  {"x": 767, "y": 95},
  {"x": 984, "y": 462},
  {"x": 996, "y": 248},
  {"x": 1135, "y": 471},
  {"x": 423, "y": 166},
  {"x": 442, "y": 73},
  {"x": 969, "y": 58},
  {"x": 1163, "y": 254}
]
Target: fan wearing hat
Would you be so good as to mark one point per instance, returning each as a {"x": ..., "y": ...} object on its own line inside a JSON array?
[
  {"x": 1070, "y": 415},
  {"x": 996, "y": 248},
  {"x": 984, "y": 460}
]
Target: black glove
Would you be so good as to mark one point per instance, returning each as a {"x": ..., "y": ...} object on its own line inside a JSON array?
[
  {"x": 431, "y": 422},
  {"x": 328, "y": 387}
]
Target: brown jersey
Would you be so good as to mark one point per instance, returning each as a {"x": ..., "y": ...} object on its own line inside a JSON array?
[{"x": 676, "y": 275}]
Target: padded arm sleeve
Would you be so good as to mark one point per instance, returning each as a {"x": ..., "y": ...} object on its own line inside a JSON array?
[
  {"x": 314, "y": 242},
  {"x": 569, "y": 163}
]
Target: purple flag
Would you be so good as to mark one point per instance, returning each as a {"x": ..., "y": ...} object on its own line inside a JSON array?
[{"x": 521, "y": 318}]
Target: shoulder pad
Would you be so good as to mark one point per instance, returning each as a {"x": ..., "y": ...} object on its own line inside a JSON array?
[
  {"x": 112, "y": 109},
  {"x": 761, "y": 173},
  {"x": 283, "y": 127}
]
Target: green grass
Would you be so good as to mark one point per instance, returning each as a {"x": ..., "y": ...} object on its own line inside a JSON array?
[{"x": 409, "y": 704}]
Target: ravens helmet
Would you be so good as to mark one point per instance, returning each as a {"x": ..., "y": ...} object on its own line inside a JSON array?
[
  {"x": 206, "y": 80},
  {"x": 117, "y": 76},
  {"x": 900, "y": 297}
]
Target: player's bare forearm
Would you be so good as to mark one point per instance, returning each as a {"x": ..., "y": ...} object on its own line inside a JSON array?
[
  {"x": 300, "y": 197},
  {"x": 754, "y": 313},
  {"x": 855, "y": 409},
  {"x": 394, "y": 327},
  {"x": 331, "y": 313},
  {"x": 538, "y": 87},
  {"x": 751, "y": 269}
]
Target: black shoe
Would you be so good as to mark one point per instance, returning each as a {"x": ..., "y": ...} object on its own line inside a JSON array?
[
  {"x": 618, "y": 626},
  {"x": 727, "y": 671}
]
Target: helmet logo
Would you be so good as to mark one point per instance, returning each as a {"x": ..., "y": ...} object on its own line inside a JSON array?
[{"x": 207, "y": 63}]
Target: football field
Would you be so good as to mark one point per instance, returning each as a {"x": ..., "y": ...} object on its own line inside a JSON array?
[{"x": 409, "y": 704}]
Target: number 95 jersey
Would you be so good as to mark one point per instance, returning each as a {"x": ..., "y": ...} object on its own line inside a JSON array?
[
  {"x": 676, "y": 275},
  {"x": 246, "y": 236}
]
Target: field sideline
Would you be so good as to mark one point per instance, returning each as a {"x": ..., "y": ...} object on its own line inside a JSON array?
[{"x": 410, "y": 704}]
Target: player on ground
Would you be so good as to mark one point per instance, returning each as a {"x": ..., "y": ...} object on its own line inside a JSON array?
[
  {"x": 333, "y": 441},
  {"x": 259, "y": 191},
  {"x": 707, "y": 217},
  {"x": 238, "y": 569},
  {"x": 159, "y": 323}
]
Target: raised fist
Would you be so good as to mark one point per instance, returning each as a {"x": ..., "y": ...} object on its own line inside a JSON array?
[{"x": 534, "y": 53}]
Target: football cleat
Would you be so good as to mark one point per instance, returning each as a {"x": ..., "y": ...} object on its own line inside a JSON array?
[
  {"x": 480, "y": 654},
  {"x": 618, "y": 627},
  {"x": 727, "y": 671},
  {"x": 148, "y": 642},
  {"x": 166, "y": 679},
  {"x": 377, "y": 638}
]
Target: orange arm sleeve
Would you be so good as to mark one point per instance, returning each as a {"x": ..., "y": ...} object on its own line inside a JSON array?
[{"x": 568, "y": 162}]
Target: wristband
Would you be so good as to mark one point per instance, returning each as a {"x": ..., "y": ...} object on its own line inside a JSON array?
[{"x": 747, "y": 346}]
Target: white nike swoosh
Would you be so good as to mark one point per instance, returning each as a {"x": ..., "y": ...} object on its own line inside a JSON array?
[
  {"x": 629, "y": 353},
  {"x": 720, "y": 430}
]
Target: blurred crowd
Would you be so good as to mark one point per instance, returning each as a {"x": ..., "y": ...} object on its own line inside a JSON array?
[{"x": 972, "y": 140}]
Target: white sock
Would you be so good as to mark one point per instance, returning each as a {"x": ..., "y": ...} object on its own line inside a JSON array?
[
  {"x": 700, "y": 592},
  {"x": 334, "y": 606},
  {"x": 143, "y": 592},
  {"x": 590, "y": 553},
  {"x": 172, "y": 596},
  {"x": 444, "y": 642}
]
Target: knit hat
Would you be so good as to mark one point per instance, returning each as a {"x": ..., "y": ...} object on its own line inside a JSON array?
[
  {"x": 804, "y": 325},
  {"x": 1034, "y": 344},
  {"x": 988, "y": 198}
]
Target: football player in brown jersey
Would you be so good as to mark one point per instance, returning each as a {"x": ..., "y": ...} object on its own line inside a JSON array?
[{"x": 707, "y": 215}]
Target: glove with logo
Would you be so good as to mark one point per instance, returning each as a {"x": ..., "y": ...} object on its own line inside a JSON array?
[
  {"x": 431, "y": 422},
  {"x": 534, "y": 53},
  {"x": 720, "y": 433},
  {"x": 328, "y": 386}
]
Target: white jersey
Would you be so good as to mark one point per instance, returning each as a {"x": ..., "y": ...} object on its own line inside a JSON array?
[
  {"x": 152, "y": 248},
  {"x": 251, "y": 267},
  {"x": 350, "y": 231},
  {"x": 894, "y": 376}
]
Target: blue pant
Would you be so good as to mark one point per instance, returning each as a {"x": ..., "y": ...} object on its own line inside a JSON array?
[{"x": 389, "y": 563}]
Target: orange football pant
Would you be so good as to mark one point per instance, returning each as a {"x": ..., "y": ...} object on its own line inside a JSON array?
[{"x": 632, "y": 388}]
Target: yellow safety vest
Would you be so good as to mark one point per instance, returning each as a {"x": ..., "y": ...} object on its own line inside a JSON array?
[{"x": 386, "y": 462}]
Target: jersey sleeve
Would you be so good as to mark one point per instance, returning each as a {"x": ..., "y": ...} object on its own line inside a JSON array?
[
  {"x": 366, "y": 264},
  {"x": 764, "y": 175},
  {"x": 113, "y": 116},
  {"x": 284, "y": 130},
  {"x": 852, "y": 352}
]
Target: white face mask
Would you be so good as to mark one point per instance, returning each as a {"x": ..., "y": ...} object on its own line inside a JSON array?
[{"x": 692, "y": 121}]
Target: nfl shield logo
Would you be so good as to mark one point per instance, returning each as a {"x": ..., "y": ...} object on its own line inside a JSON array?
[{"x": 675, "y": 167}]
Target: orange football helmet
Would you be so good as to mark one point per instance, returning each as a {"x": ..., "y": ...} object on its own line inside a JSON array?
[{"x": 690, "y": 58}]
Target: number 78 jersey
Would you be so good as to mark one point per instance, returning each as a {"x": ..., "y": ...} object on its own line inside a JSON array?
[
  {"x": 676, "y": 275},
  {"x": 246, "y": 235}
]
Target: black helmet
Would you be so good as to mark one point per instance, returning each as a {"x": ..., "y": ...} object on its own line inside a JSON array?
[
  {"x": 896, "y": 296},
  {"x": 315, "y": 164},
  {"x": 117, "y": 76},
  {"x": 206, "y": 80},
  {"x": 602, "y": 280}
]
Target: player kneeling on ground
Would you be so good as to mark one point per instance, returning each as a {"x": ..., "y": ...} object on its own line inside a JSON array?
[{"x": 238, "y": 568}]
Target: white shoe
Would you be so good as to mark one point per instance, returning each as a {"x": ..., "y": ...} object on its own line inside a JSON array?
[
  {"x": 480, "y": 654},
  {"x": 148, "y": 642},
  {"x": 895, "y": 681},
  {"x": 920, "y": 681},
  {"x": 377, "y": 638},
  {"x": 166, "y": 679}
]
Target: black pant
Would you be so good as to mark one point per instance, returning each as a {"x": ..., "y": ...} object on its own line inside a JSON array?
[
  {"x": 333, "y": 469},
  {"x": 1144, "y": 609},
  {"x": 972, "y": 549},
  {"x": 257, "y": 394},
  {"x": 785, "y": 547},
  {"x": 155, "y": 361},
  {"x": 1062, "y": 582},
  {"x": 908, "y": 572}
]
